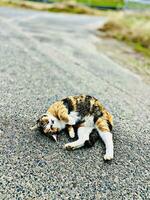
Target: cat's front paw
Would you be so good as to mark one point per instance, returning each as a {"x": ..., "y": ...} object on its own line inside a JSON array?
[
  {"x": 68, "y": 147},
  {"x": 72, "y": 133},
  {"x": 108, "y": 157}
]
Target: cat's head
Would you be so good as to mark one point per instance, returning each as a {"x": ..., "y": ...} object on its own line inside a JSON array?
[{"x": 48, "y": 124}]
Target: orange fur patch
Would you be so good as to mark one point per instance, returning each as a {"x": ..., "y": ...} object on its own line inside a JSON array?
[
  {"x": 102, "y": 124},
  {"x": 59, "y": 111}
]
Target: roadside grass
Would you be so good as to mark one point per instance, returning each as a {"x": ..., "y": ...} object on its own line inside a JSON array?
[
  {"x": 69, "y": 7},
  {"x": 104, "y": 3},
  {"x": 100, "y": 3},
  {"x": 131, "y": 27},
  {"x": 136, "y": 5}
]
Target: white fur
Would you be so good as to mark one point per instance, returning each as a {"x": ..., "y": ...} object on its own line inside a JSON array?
[
  {"x": 107, "y": 139},
  {"x": 73, "y": 118},
  {"x": 71, "y": 133},
  {"x": 83, "y": 135},
  {"x": 89, "y": 122},
  {"x": 48, "y": 126},
  {"x": 57, "y": 123}
]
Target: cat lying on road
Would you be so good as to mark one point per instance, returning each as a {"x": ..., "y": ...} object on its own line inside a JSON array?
[{"x": 84, "y": 112}]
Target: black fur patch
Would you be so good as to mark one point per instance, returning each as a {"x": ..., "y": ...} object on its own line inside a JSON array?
[
  {"x": 97, "y": 113},
  {"x": 76, "y": 133},
  {"x": 109, "y": 125},
  {"x": 67, "y": 102},
  {"x": 93, "y": 137},
  {"x": 79, "y": 122},
  {"x": 97, "y": 116},
  {"x": 83, "y": 107},
  {"x": 88, "y": 97}
]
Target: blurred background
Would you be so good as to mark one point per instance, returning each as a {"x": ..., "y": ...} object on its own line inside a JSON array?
[
  {"x": 105, "y": 4},
  {"x": 127, "y": 20}
]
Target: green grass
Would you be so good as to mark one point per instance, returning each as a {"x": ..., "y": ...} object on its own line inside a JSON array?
[
  {"x": 138, "y": 47},
  {"x": 133, "y": 28},
  {"x": 102, "y": 3}
]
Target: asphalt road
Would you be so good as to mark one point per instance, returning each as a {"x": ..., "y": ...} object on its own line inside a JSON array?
[{"x": 44, "y": 57}]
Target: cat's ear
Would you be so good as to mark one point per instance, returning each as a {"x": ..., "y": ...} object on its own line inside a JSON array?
[{"x": 34, "y": 127}]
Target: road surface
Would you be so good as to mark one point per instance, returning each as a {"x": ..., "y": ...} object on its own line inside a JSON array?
[{"x": 44, "y": 57}]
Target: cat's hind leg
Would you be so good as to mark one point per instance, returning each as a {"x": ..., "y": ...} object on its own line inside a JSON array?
[
  {"x": 103, "y": 128},
  {"x": 108, "y": 141},
  {"x": 83, "y": 135}
]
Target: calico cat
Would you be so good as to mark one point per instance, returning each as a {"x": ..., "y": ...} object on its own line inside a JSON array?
[{"x": 86, "y": 114}]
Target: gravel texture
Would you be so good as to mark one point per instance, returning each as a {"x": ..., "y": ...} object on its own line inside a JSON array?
[{"x": 44, "y": 57}]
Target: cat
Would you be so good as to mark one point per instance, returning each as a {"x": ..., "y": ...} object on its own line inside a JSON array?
[{"x": 83, "y": 113}]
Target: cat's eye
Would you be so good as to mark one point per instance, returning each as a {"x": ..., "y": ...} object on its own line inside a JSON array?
[{"x": 52, "y": 121}]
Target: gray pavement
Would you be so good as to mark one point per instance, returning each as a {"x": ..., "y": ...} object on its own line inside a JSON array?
[{"x": 44, "y": 57}]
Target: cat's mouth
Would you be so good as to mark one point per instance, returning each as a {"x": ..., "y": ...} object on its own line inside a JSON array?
[
  {"x": 53, "y": 132},
  {"x": 50, "y": 130}
]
